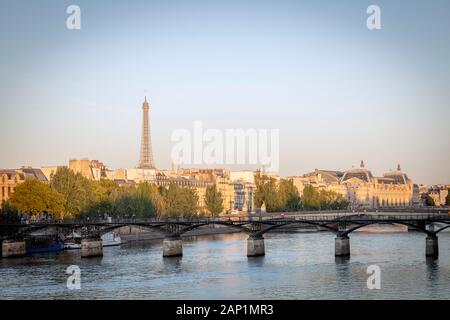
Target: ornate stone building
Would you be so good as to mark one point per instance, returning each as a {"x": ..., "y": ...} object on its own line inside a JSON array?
[{"x": 362, "y": 189}]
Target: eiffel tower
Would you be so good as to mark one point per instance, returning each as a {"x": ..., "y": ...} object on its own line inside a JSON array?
[{"x": 146, "y": 159}]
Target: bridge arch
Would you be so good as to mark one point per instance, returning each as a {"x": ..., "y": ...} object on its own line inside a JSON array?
[
  {"x": 115, "y": 227},
  {"x": 408, "y": 224},
  {"x": 184, "y": 226}
]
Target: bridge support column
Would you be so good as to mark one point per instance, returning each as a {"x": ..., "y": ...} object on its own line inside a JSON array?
[
  {"x": 92, "y": 247},
  {"x": 13, "y": 248},
  {"x": 342, "y": 246},
  {"x": 431, "y": 246},
  {"x": 255, "y": 246},
  {"x": 173, "y": 247}
]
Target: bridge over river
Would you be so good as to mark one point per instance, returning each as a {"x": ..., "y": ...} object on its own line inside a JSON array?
[{"x": 341, "y": 223}]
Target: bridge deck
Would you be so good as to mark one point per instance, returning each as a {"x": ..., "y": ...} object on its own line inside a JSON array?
[{"x": 272, "y": 219}]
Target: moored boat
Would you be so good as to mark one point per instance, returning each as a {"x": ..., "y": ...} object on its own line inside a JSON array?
[
  {"x": 43, "y": 243},
  {"x": 109, "y": 239}
]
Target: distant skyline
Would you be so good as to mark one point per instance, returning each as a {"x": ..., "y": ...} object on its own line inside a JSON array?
[{"x": 338, "y": 92}]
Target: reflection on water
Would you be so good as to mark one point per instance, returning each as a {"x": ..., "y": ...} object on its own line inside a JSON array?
[{"x": 296, "y": 266}]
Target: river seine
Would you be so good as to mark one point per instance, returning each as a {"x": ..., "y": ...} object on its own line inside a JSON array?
[{"x": 297, "y": 265}]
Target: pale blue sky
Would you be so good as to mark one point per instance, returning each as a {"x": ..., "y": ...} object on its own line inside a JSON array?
[{"x": 337, "y": 91}]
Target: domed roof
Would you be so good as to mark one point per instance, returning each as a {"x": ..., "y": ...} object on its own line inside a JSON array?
[
  {"x": 360, "y": 173},
  {"x": 398, "y": 176}
]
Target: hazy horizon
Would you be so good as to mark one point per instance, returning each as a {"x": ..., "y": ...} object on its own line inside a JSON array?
[{"x": 338, "y": 92}]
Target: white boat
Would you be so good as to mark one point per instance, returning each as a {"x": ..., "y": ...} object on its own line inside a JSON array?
[
  {"x": 71, "y": 245},
  {"x": 109, "y": 239}
]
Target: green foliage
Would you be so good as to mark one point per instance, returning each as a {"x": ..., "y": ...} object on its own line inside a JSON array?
[
  {"x": 104, "y": 189},
  {"x": 180, "y": 201},
  {"x": 34, "y": 197},
  {"x": 314, "y": 199},
  {"x": 430, "y": 201},
  {"x": 284, "y": 197},
  {"x": 9, "y": 214},
  {"x": 311, "y": 198},
  {"x": 100, "y": 209},
  {"x": 71, "y": 196},
  {"x": 288, "y": 197},
  {"x": 266, "y": 192},
  {"x": 76, "y": 190},
  {"x": 105, "y": 198},
  {"x": 259, "y": 196},
  {"x": 330, "y": 200},
  {"x": 152, "y": 193},
  {"x": 213, "y": 200},
  {"x": 129, "y": 202},
  {"x": 133, "y": 206}
]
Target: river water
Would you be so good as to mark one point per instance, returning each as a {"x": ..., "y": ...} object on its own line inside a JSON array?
[{"x": 297, "y": 265}]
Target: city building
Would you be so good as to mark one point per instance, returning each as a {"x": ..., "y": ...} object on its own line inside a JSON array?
[
  {"x": 11, "y": 178},
  {"x": 362, "y": 189},
  {"x": 242, "y": 191},
  {"x": 49, "y": 172},
  {"x": 115, "y": 175},
  {"x": 317, "y": 178},
  {"x": 438, "y": 194},
  {"x": 141, "y": 175},
  {"x": 91, "y": 169}
]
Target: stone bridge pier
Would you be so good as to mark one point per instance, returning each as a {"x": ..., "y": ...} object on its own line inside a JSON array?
[
  {"x": 91, "y": 247},
  {"x": 173, "y": 246},
  {"x": 255, "y": 245},
  {"x": 431, "y": 246},
  {"x": 342, "y": 246},
  {"x": 13, "y": 248}
]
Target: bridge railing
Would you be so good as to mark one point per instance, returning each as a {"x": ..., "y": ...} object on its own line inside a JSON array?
[{"x": 349, "y": 217}]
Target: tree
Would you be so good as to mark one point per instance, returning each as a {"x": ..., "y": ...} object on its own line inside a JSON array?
[
  {"x": 260, "y": 190},
  {"x": 133, "y": 206},
  {"x": 330, "y": 200},
  {"x": 310, "y": 198},
  {"x": 76, "y": 190},
  {"x": 180, "y": 201},
  {"x": 266, "y": 192},
  {"x": 152, "y": 192},
  {"x": 213, "y": 200},
  {"x": 34, "y": 197},
  {"x": 288, "y": 197},
  {"x": 314, "y": 199},
  {"x": 104, "y": 189},
  {"x": 100, "y": 209},
  {"x": 430, "y": 201},
  {"x": 9, "y": 214},
  {"x": 159, "y": 204},
  {"x": 127, "y": 202}
]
